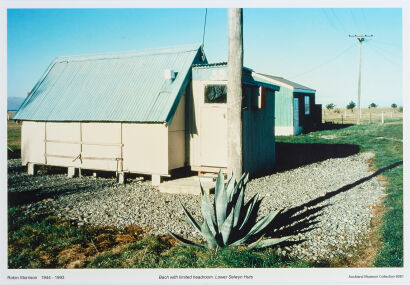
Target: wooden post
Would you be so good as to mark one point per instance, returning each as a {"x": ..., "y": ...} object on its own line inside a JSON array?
[
  {"x": 359, "y": 114},
  {"x": 382, "y": 118},
  {"x": 121, "y": 177},
  {"x": 234, "y": 100}
]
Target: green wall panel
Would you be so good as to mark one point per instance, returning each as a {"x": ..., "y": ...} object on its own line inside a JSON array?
[{"x": 284, "y": 107}]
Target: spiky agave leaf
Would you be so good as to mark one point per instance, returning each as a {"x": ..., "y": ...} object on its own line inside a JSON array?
[
  {"x": 249, "y": 212},
  {"x": 207, "y": 234},
  {"x": 262, "y": 223},
  {"x": 186, "y": 241},
  {"x": 192, "y": 220},
  {"x": 239, "y": 185},
  {"x": 227, "y": 228},
  {"x": 230, "y": 187},
  {"x": 207, "y": 211},
  {"x": 258, "y": 227},
  {"x": 261, "y": 243},
  {"x": 238, "y": 207},
  {"x": 221, "y": 200}
]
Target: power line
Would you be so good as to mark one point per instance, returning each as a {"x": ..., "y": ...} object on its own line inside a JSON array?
[
  {"x": 329, "y": 19},
  {"x": 354, "y": 19},
  {"x": 203, "y": 35},
  {"x": 385, "y": 50},
  {"x": 386, "y": 58},
  {"x": 364, "y": 16},
  {"x": 387, "y": 43},
  {"x": 338, "y": 19},
  {"x": 324, "y": 63}
]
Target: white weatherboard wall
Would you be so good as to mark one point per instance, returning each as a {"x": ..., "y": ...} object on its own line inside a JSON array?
[
  {"x": 144, "y": 150},
  {"x": 177, "y": 137}
]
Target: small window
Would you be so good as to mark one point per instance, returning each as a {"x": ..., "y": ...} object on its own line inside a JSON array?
[
  {"x": 258, "y": 97},
  {"x": 307, "y": 105},
  {"x": 215, "y": 94}
]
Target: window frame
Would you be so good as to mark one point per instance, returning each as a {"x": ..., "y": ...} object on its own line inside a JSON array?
[{"x": 211, "y": 85}]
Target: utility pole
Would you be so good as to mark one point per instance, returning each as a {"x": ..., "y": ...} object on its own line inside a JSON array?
[
  {"x": 234, "y": 100},
  {"x": 360, "y": 38}
]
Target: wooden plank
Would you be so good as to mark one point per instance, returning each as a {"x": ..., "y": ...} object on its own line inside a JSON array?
[
  {"x": 85, "y": 143},
  {"x": 209, "y": 169},
  {"x": 83, "y": 157}
]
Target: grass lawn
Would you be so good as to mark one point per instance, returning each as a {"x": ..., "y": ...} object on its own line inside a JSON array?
[
  {"x": 45, "y": 241},
  {"x": 13, "y": 135}
]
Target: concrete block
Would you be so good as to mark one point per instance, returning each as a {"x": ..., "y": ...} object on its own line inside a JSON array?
[
  {"x": 156, "y": 180},
  {"x": 121, "y": 177},
  {"x": 70, "y": 172},
  {"x": 187, "y": 185},
  {"x": 31, "y": 169}
]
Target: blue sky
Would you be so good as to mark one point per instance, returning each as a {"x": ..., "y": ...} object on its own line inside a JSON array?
[{"x": 310, "y": 46}]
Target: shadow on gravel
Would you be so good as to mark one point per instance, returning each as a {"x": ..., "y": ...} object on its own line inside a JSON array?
[
  {"x": 303, "y": 218},
  {"x": 12, "y": 154},
  {"x": 41, "y": 193},
  {"x": 294, "y": 155}
]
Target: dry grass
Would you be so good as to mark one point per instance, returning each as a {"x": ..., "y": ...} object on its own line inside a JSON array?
[{"x": 373, "y": 115}]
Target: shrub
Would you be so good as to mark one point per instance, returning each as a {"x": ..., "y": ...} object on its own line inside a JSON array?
[
  {"x": 351, "y": 106},
  {"x": 229, "y": 221}
]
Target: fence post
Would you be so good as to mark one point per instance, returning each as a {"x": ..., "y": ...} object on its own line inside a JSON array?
[{"x": 382, "y": 118}]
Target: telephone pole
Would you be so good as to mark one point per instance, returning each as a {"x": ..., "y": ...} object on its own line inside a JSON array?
[
  {"x": 361, "y": 39},
  {"x": 234, "y": 100}
]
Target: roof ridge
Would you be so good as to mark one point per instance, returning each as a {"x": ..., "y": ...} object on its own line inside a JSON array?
[{"x": 131, "y": 53}]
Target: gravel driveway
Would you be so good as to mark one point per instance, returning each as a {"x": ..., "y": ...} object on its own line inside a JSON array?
[{"x": 328, "y": 205}]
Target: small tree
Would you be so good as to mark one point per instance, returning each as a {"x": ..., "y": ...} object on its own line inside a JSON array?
[
  {"x": 372, "y": 105},
  {"x": 351, "y": 106},
  {"x": 394, "y": 106},
  {"x": 330, "y": 106}
]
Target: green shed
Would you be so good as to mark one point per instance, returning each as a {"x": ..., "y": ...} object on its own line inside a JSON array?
[{"x": 295, "y": 107}]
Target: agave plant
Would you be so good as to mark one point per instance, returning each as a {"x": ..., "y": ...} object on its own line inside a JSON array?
[{"x": 229, "y": 221}]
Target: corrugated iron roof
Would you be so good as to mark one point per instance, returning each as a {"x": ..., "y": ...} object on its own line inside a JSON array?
[
  {"x": 287, "y": 82},
  {"x": 121, "y": 87}
]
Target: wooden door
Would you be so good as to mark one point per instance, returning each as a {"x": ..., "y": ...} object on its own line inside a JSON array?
[{"x": 213, "y": 133}]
